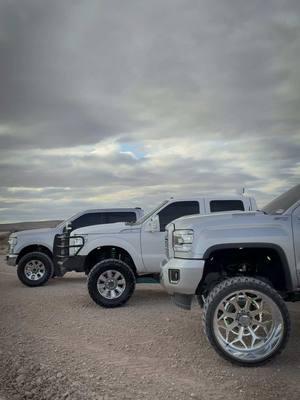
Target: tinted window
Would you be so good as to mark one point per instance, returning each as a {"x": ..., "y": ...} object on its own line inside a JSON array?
[
  {"x": 110, "y": 218},
  {"x": 283, "y": 202},
  {"x": 177, "y": 210},
  {"x": 87, "y": 219},
  {"x": 226, "y": 205}
]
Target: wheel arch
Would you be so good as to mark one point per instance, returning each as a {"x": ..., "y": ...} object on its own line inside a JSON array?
[
  {"x": 35, "y": 247},
  {"x": 106, "y": 252},
  {"x": 278, "y": 250}
]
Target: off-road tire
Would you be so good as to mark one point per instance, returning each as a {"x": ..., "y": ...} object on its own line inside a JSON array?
[
  {"x": 100, "y": 268},
  {"x": 200, "y": 300},
  {"x": 224, "y": 289},
  {"x": 36, "y": 255}
]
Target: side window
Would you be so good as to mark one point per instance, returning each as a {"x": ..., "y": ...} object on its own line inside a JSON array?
[
  {"x": 226, "y": 205},
  {"x": 87, "y": 220},
  {"x": 177, "y": 210},
  {"x": 111, "y": 217}
]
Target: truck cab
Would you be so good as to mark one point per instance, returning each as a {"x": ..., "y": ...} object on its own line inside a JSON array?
[
  {"x": 32, "y": 250},
  {"x": 133, "y": 250}
]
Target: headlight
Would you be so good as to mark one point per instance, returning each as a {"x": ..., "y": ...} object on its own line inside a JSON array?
[
  {"x": 12, "y": 241},
  {"x": 75, "y": 243},
  {"x": 183, "y": 240}
]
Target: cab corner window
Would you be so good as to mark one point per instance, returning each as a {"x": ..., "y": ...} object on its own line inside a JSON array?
[
  {"x": 226, "y": 205},
  {"x": 177, "y": 210}
]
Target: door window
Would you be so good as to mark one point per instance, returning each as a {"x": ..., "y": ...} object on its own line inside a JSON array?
[
  {"x": 87, "y": 220},
  {"x": 226, "y": 205},
  {"x": 177, "y": 210},
  {"x": 110, "y": 218}
]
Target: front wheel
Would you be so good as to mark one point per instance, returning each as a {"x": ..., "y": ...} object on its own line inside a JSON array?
[
  {"x": 35, "y": 269},
  {"x": 246, "y": 321},
  {"x": 111, "y": 283}
]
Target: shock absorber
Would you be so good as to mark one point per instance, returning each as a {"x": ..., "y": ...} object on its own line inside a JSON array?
[{"x": 113, "y": 252}]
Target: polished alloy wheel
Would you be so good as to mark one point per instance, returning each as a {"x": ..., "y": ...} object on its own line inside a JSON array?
[
  {"x": 248, "y": 325},
  {"x": 111, "y": 284},
  {"x": 34, "y": 270}
]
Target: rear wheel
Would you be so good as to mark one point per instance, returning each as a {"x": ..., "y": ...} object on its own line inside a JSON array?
[
  {"x": 35, "y": 269},
  {"x": 246, "y": 321},
  {"x": 111, "y": 283}
]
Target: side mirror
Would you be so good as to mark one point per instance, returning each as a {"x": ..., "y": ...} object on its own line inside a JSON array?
[
  {"x": 68, "y": 227},
  {"x": 153, "y": 224}
]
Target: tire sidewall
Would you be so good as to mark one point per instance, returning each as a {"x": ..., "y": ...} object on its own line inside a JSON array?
[
  {"x": 99, "y": 269},
  {"x": 46, "y": 260},
  {"x": 214, "y": 300}
]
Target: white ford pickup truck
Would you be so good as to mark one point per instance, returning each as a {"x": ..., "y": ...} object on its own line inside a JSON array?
[
  {"x": 242, "y": 267},
  {"x": 32, "y": 250},
  {"x": 115, "y": 255}
]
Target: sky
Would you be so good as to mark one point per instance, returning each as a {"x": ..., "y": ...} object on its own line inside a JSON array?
[{"x": 127, "y": 103}]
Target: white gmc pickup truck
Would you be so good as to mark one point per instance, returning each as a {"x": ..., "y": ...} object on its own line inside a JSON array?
[
  {"x": 32, "y": 250},
  {"x": 115, "y": 255},
  {"x": 242, "y": 267}
]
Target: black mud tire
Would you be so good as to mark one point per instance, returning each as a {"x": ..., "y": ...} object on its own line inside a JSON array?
[
  {"x": 42, "y": 257},
  {"x": 100, "y": 268},
  {"x": 221, "y": 291},
  {"x": 200, "y": 300}
]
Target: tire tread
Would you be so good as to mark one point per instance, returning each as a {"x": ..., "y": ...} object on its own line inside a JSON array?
[{"x": 235, "y": 284}]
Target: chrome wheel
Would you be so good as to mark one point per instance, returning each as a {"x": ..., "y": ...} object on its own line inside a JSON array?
[
  {"x": 34, "y": 270},
  {"x": 248, "y": 325},
  {"x": 111, "y": 284}
]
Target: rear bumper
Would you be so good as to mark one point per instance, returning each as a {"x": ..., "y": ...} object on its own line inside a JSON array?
[{"x": 11, "y": 259}]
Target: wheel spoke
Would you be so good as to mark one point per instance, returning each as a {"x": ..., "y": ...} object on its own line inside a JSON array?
[
  {"x": 111, "y": 284},
  {"x": 248, "y": 324}
]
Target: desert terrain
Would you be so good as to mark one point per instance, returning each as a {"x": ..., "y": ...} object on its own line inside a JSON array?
[{"x": 57, "y": 344}]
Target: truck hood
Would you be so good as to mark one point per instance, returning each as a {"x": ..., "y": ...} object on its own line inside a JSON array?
[
  {"x": 226, "y": 218},
  {"x": 116, "y": 227},
  {"x": 34, "y": 232}
]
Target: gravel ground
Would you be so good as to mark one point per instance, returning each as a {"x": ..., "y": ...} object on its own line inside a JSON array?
[{"x": 57, "y": 344}]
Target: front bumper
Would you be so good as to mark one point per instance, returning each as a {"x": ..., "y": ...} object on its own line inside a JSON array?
[
  {"x": 63, "y": 261},
  {"x": 11, "y": 259},
  {"x": 189, "y": 273}
]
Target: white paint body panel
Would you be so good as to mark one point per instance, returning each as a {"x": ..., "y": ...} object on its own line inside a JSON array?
[
  {"x": 147, "y": 248},
  {"x": 45, "y": 237}
]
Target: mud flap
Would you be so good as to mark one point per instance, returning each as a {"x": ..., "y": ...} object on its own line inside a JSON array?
[{"x": 183, "y": 300}]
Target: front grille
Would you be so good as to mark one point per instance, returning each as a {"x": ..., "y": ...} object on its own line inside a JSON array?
[{"x": 61, "y": 246}]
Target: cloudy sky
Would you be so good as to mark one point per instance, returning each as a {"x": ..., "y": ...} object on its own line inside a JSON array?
[{"x": 125, "y": 103}]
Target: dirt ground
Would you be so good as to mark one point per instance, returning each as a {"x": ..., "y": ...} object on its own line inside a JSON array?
[{"x": 57, "y": 344}]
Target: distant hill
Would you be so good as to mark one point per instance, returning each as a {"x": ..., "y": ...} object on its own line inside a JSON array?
[{"x": 21, "y": 226}]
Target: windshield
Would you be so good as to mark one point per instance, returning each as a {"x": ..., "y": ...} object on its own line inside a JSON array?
[
  {"x": 148, "y": 215},
  {"x": 283, "y": 202}
]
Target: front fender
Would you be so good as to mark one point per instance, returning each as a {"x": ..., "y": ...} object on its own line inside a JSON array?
[
  {"x": 21, "y": 246},
  {"x": 114, "y": 242}
]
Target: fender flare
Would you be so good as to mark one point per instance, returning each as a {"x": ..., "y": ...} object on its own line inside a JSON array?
[
  {"x": 34, "y": 244},
  {"x": 94, "y": 244},
  {"x": 277, "y": 248}
]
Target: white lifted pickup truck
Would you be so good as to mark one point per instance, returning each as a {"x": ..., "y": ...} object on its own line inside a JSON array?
[
  {"x": 32, "y": 250},
  {"x": 115, "y": 255},
  {"x": 242, "y": 267}
]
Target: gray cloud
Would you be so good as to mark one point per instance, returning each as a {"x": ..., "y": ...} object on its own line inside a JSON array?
[{"x": 203, "y": 96}]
